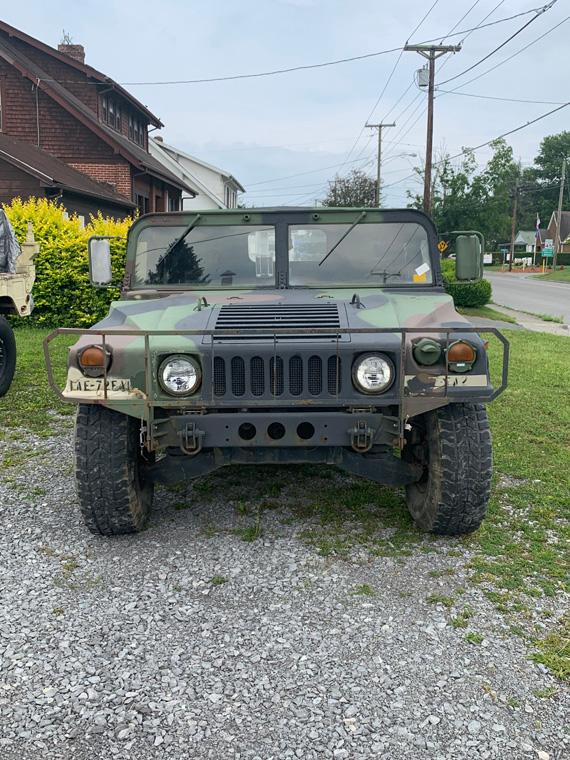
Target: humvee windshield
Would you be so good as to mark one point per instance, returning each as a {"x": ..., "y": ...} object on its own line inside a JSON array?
[{"x": 243, "y": 256}]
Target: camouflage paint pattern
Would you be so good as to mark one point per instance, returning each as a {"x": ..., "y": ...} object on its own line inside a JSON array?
[{"x": 133, "y": 390}]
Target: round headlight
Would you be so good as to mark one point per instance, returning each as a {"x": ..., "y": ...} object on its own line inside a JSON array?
[
  {"x": 179, "y": 375},
  {"x": 373, "y": 373}
]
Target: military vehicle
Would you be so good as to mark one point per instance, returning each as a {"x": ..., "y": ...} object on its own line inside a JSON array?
[
  {"x": 16, "y": 284},
  {"x": 283, "y": 335}
]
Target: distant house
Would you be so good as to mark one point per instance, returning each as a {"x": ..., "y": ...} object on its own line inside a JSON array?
[
  {"x": 213, "y": 187},
  {"x": 526, "y": 241},
  {"x": 564, "y": 230},
  {"x": 60, "y": 118}
]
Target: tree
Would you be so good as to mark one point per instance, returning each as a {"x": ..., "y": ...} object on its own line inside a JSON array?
[
  {"x": 542, "y": 181},
  {"x": 465, "y": 198},
  {"x": 354, "y": 189}
]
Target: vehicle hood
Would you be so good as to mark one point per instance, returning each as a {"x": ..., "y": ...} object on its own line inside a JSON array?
[{"x": 374, "y": 307}]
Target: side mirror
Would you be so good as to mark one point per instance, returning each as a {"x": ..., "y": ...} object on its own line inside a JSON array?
[
  {"x": 100, "y": 270},
  {"x": 468, "y": 257}
]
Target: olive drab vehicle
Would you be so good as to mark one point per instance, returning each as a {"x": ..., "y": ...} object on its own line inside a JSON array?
[
  {"x": 17, "y": 276},
  {"x": 283, "y": 335}
]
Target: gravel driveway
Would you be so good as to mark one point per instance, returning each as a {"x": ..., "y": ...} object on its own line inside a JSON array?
[{"x": 189, "y": 642}]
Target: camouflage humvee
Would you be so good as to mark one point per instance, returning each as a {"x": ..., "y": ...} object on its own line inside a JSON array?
[
  {"x": 15, "y": 298},
  {"x": 283, "y": 336}
]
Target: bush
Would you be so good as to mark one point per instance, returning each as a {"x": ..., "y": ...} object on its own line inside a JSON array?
[
  {"x": 63, "y": 294},
  {"x": 471, "y": 294}
]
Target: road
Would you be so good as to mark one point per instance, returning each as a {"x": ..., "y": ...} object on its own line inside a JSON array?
[{"x": 526, "y": 293}]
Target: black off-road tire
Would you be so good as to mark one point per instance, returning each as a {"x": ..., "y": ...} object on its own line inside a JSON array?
[
  {"x": 7, "y": 355},
  {"x": 113, "y": 494},
  {"x": 454, "y": 445}
]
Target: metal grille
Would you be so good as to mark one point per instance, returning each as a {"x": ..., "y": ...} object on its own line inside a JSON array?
[
  {"x": 295, "y": 375},
  {"x": 257, "y": 376},
  {"x": 333, "y": 375},
  {"x": 219, "y": 376},
  {"x": 258, "y": 316},
  {"x": 276, "y": 375},
  {"x": 315, "y": 375},
  {"x": 238, "y": 376}
]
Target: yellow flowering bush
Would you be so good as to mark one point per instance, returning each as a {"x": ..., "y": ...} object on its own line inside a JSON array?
[{"x": 63, "y": 294}]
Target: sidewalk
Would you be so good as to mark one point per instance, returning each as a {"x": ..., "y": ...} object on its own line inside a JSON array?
[{"x": 534, "y": 324}]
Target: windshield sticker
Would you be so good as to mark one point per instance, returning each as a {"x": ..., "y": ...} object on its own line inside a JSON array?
[{"x": 421, "y": 273}]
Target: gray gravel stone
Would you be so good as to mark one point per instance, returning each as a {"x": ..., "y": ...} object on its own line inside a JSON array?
[{"x": 124, "y": 648}]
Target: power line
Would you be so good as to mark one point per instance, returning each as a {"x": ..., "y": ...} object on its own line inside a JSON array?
[
  {"x": 502, "y": 45},
  {"x": 465, "y": 151},
  {"x": 402, "y": 134},
  {"x": 454, "y": 27},
  {"x": 370, "y": 115},
  {"x": 513, "y": 55},
  {"x": 505, "y": 100},
  {"x": 312, "y": 171},
  {"x": 303, "y": 67},
  {"x": 480, "y": 25}
]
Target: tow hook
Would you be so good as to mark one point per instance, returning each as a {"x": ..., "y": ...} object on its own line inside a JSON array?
[
  {"x": 361, "y": 437},
  {"x": 191, "y": 439}
]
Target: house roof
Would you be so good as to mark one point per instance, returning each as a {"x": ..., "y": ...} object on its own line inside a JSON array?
[
  {"x": 51, "y": 172},
  {"x": 168, "y": 158},
  {"x": 83, "y": 67},
  {"x": 66, "y": 99},
  {"x": 564, "y": 224},
  {"x": 226, "y": 175},
  {"x": 528, "y": 237}
]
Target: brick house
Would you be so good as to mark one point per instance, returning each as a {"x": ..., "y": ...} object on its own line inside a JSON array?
[
  {"x": 564, "y": 230},
  {"x": 58, "y": 113}
]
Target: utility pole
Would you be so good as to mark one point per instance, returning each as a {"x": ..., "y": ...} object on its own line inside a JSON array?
[
  {"x": 514, "y": 226},
  {"x": 558, "y": 241},
  {"x": 432, "y": 53},
  {"x": 379, "y": 127}
]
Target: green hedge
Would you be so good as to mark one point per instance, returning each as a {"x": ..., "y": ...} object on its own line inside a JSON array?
[
  {"x": 63, "y": 293},
  {"x": 471, "y": 294}
]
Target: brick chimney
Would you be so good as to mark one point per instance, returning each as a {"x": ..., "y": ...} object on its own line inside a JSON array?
[{"x": 73, "y": 51}]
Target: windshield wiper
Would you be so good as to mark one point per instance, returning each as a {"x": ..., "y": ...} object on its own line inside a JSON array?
[
  {"x": 338, "y": 242},
  {"x": 186, "y": 232},
  {"x": 385, "y": 275}
]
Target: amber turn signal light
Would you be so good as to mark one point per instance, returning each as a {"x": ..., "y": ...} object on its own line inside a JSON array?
[
  {"x": 93, "y": 360},
  {"x": 461, "y": 352},
  {"x": 460, "y": 356}
]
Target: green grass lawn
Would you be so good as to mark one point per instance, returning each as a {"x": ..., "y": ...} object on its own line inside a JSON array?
[
  {"x": 30, "y": 403},
  {"x": 561, "y": 275},
  {"x": 521, "y": 553},
  {"x": 487, "y": 312}
]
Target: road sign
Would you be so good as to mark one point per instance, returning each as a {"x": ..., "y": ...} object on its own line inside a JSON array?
[
  {"x": 548, "y": 253},
  {"x": 443, "y": 245}
]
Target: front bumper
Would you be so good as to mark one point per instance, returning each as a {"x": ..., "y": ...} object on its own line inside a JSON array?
[
  {"x": 358, "y": 430},
  {"x": 415, "y": 389}
]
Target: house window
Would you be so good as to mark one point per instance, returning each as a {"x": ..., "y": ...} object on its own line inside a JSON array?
[
  {"x": 173, "y": 203},
  {"x": 142, "y": 203},
  {"x": 111, "y": 113},
  {"x": 131, "y": 128}
]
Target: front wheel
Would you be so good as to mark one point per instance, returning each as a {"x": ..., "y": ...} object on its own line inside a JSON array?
[
  {"x": 114, "y": 495},
  {"x": 7, "y": 355},
  {"x": 453, "y": 444}
]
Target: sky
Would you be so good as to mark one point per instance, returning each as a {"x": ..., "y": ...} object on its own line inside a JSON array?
[{"x": 285, "y": 136}]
